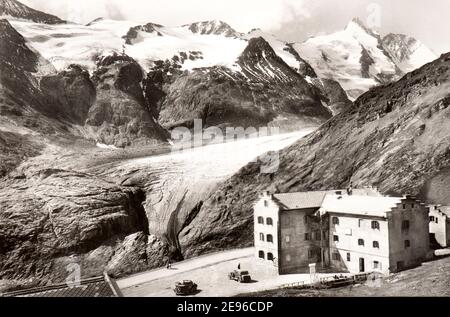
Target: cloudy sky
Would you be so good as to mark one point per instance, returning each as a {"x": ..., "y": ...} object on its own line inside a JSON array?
[{"x": 292, "y": 20}]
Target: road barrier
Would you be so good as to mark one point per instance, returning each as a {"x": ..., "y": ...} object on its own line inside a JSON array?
[{"x": 334, "y": 281}]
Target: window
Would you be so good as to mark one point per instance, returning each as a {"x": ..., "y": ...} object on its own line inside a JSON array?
[
  {"x": 288, "y": 238},
  {"x": 305, "y": 219},
  {"x": 375, "y": 225},
  {"x": 376, "y": 245},
  {"x": 266, "y": 203},
  {"x": 361, "y": 242},
  {"x": 360, "y": 223},
  {"x": 307, "y": 236},
  {"x": 261, "y": 254},
  {"x": 335, "y": 238},
  {"x": 311, "y": 253},
  {"x": 405, "y": 225},
  {"x": 335, "y": 221},
  {"x": 270, "y": 238},
  {"x": 270, "y": 256},
  {"x": 404, "y": 206},
  {"x": 261, "y": 220},
  {"x": 336, "y": 256},
  {"x": 432, "y": 218},
  {"x": 317, "y": 235},
  {"x": 269, "y": 221},
  {"x": 437, "y": 220},
  {"x": 288, "y": 257},
  {"x": 412, "y": 205},
  {"x": 261, "y": 236},
  {"x": 376, "y": 264},
  {"x": 286, "y": 220},
  {"x": 348, "y": 257},
  {"x": 407, "y": 244}
]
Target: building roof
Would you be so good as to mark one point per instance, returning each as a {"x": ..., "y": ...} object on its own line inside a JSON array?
[
  {"x": 314, "y": 199},
  {"x": 445, "y": 210},
  {"x": 359, "y": 205},
  {"x": 102, "y": 286}
]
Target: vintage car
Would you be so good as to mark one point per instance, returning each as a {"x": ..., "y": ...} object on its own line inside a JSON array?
[
  {"x": 240, "y": 276},
  {"x": 185, "y": 287}
]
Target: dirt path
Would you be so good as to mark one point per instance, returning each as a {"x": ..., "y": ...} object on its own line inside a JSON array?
[{"x": 185, "y": 266}]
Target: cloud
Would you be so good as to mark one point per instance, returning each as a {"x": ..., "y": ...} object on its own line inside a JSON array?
[{"x": 241, "y": 14}]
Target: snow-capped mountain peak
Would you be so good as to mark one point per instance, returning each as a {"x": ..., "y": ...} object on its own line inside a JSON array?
[
  {"x": 215, "y": 27},
  {"x": 17, "y": 10},
  {"x": 354, "y": 57}
]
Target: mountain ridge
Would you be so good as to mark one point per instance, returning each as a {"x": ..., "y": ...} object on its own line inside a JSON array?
[{"x": 17, "y": 9}]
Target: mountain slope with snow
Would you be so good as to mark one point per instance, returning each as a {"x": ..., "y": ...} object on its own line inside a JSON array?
[
  {"x": 407, "y": 52},
  {"x": 15, "y": 9}
]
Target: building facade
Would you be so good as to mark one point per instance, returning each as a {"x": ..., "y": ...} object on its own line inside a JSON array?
[
  {"x": 440, "y": 225},
  {"x": 266, "y": 229},
  {"x": 355, "y": 231},
  {"x": 383, "y": 234}
]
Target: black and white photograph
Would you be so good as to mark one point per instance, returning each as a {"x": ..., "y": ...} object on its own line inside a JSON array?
[{"x": 246, "y": 149}]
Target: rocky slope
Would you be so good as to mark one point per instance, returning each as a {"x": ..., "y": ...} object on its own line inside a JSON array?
[
  {"x": 51, "y": 218},
  {"x": 16, "y": 9},
  {"x": 14, "y": 149},
  {"x": 265, "y": 91},
  {"x": 395, "y": 138}
]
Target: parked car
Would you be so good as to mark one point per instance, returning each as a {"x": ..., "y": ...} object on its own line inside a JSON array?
[
  {"x": 240, "y": 276},
  {"x": 185, "y": 287}
]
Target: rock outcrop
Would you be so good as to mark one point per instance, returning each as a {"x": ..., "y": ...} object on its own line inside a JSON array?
[
  {"x": 120, "y": 115},
  {"x": 69, "y": 94},
  {"x": 212, "y": 28},
  {"x": 51, "y": 218}
]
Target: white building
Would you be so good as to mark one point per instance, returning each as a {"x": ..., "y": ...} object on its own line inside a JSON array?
[
  {"x": 440, "y": 225},
  {"x": 384, "y": 234},
  {"x": 356, "y": 231}
]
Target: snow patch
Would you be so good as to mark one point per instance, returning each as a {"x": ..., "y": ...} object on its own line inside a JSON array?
[{"x": 106, "y": 147}]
